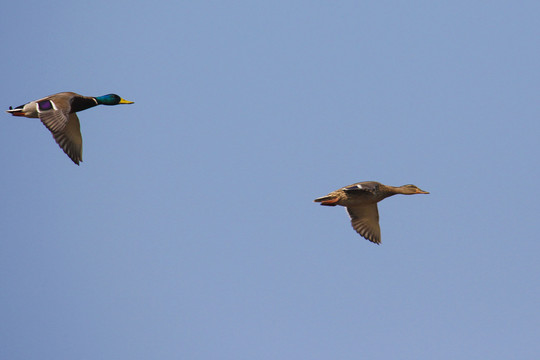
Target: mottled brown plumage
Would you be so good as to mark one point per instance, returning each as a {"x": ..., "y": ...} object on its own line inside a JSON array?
[{"x": 361, "y": 200}]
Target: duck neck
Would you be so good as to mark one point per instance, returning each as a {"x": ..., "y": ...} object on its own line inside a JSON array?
[
  {"x": 404, "y": 190},
  {"x": 82, "y": 103},
  {"x": 388, "y": 191}
]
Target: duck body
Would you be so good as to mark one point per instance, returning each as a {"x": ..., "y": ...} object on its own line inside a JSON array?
[
  {"x": 361, "y": 200},
  {"x": 58, "y": 113},
  {"x": 67, "y": 101}
]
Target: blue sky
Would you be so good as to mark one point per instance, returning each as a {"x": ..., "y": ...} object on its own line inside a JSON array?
[{"x": 189, "y": 230}]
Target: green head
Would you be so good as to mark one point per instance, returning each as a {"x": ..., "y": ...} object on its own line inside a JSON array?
[{"x": 111, "y": 99}]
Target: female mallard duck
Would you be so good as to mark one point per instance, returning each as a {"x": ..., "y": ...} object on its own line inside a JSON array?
[
  {"x": 361, "y": 200},
  {"x": 58, "y": 113}
]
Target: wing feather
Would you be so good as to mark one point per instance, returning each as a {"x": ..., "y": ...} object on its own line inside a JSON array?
[
  {"x": 70, "y": 139},
  {"x": 366, "y": 186},
  {"x": 54, "y": 113},
  {"x": 365, "y": 220},
  {"x": 51, "y": 116}
]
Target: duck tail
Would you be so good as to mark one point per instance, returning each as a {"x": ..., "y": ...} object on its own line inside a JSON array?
[
  {"x": 327, "y": 200},
  {"x": 15, "y": 112}
]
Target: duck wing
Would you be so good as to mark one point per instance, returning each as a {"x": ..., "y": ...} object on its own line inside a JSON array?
[
  {"x": 70, "y": 138},
  {"x": 366, "y": 186},
  {"x": 54, "y": 113},
  {"x": 365, "y": 220}
]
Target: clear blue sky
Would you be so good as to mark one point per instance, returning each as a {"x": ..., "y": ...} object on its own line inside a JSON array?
[{"x": 189, "y": 230}]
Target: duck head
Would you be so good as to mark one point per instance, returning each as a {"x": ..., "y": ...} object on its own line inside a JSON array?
[
  {"x": 111, "y": 99},
  {"x": 411, "y": 189}
]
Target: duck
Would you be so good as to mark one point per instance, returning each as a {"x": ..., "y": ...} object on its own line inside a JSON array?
[
  {"x": 360, "y": 200},
  {"x": 58, "y": 113}
]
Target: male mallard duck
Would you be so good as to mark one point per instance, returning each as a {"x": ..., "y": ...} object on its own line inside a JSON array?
[
  {"x": 57, "y": 113},
  {"x": 361, "y": 200}
]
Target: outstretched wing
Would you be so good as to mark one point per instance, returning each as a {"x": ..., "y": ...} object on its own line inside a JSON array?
[
  {"x": 65, "y": 127},
  {"x": 53, "y": 116},
  {"x": 70, "y": 139},
  {"x": 365, "y": 220}
]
